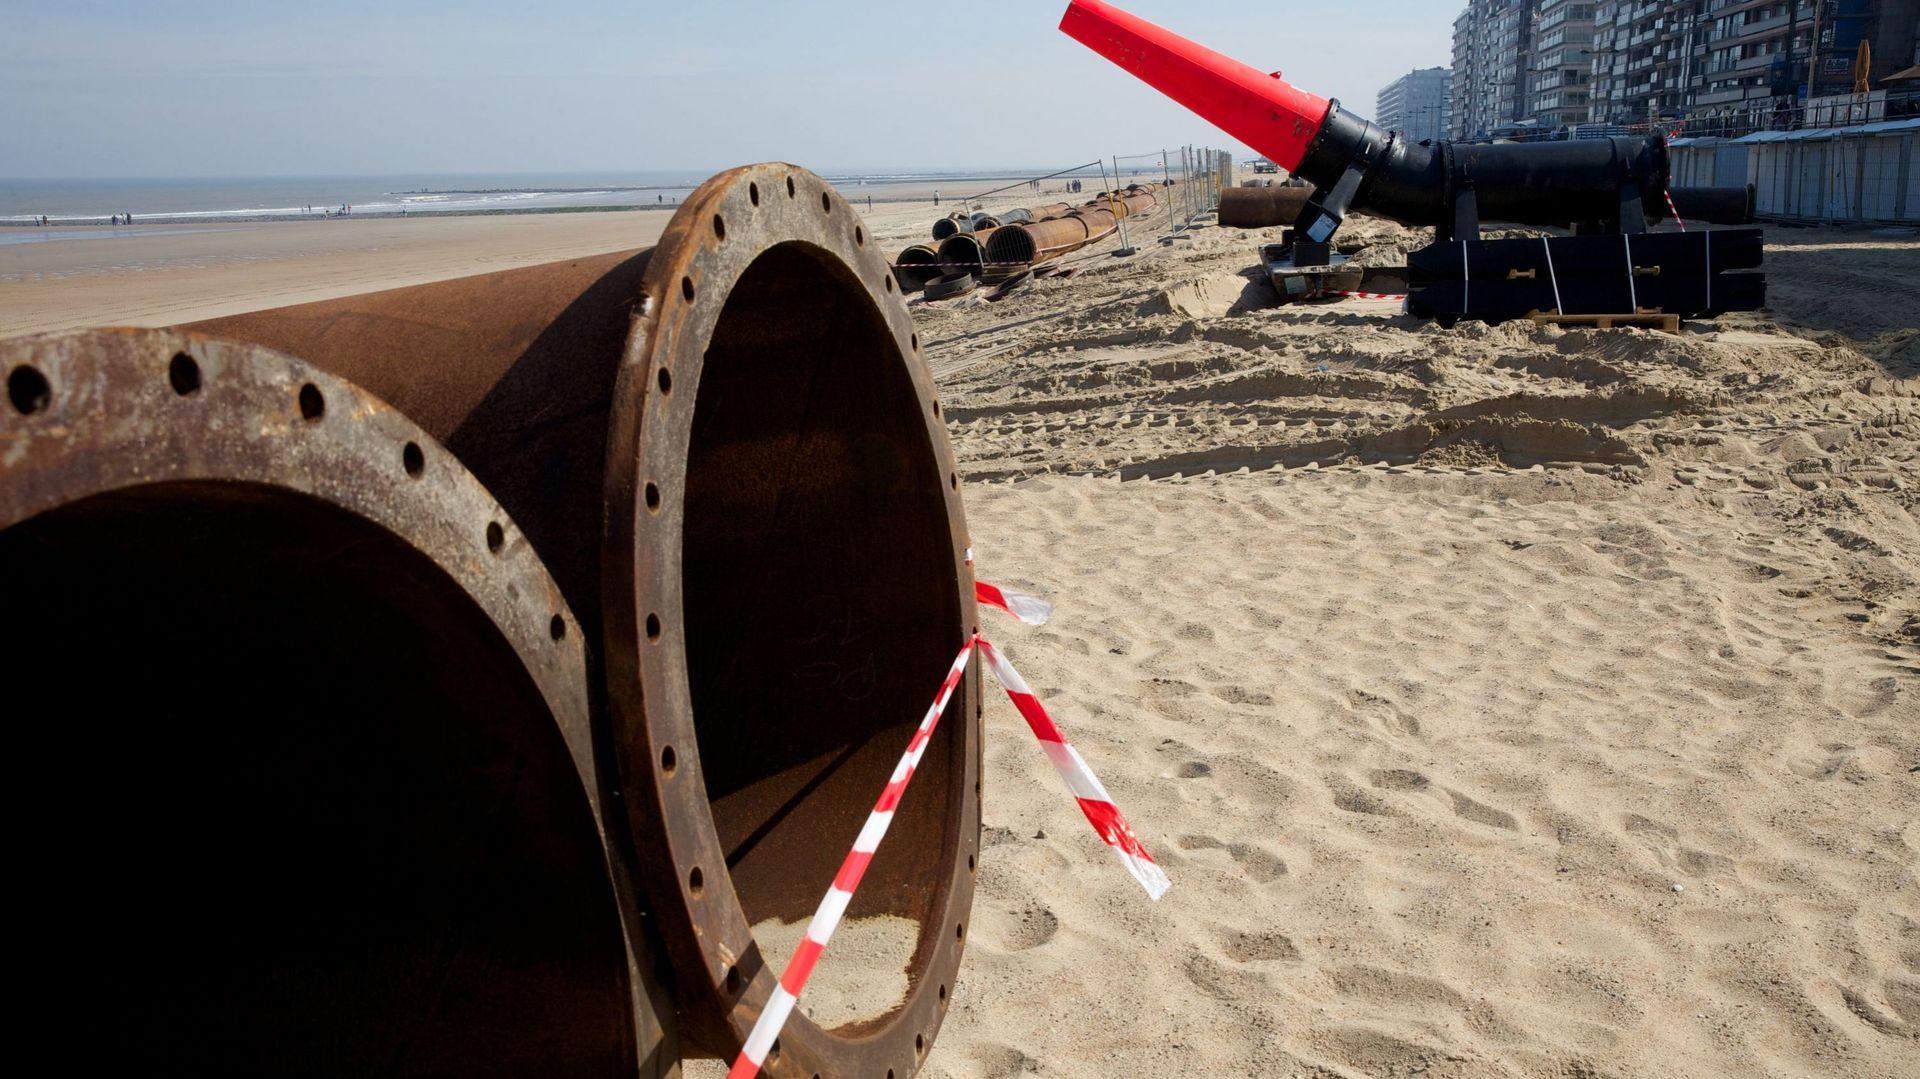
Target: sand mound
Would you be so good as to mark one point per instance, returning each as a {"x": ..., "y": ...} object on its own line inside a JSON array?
[{"x": 1211, "y": 296}]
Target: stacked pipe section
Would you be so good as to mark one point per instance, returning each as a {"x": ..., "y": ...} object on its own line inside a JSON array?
[
  {"x": 1016, "y": 249},
  {"x": 959, "y": 245},
  {"x": 524, "y": 628}
]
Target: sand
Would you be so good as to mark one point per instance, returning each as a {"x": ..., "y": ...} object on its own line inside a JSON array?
[
  {"x": 164, "y": 275},
  {"x": 1502, "y": 701}
]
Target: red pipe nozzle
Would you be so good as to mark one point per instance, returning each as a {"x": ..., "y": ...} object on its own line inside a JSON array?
[{"x": 1259, "y": 109}]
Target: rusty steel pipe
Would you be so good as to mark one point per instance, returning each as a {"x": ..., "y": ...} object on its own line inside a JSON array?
[
  {"x": 1099, "y": 219},
  {"x": 1026, "y": 245},
  {"x": 966, "y": 252},
  {"x": 333, "y": 716},
  {"x": 916, "y": 266},
  {"x": 951, "y": 224},
  {"x": 728, "y": 450},
  {"x": 1262, "y": 207}
]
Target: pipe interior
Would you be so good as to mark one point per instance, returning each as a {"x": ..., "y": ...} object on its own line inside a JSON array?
[
  {"x": 287, "y": 803},
  {"x": 1012, "y": 245},
  {"x": 964, "y": 254},
  {"x": 821, "y": 611}
]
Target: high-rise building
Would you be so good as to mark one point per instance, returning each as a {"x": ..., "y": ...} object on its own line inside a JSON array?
[
  {"x": 1738, "y": 59},
  {"x": 1471, "y": 110},
  {"x": 1492, "y": 65},
  {"x": 1513, "y": 64},
  {"x": 1562, "y": 62},
  {"x": 1416, "y": 104},
  {"x": 1553, "y": 63}
]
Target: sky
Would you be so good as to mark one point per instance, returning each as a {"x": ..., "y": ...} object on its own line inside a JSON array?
[{"x": 178, "y": 88}]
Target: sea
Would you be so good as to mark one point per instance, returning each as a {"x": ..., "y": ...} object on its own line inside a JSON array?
[{"x": 216, "y": 200}]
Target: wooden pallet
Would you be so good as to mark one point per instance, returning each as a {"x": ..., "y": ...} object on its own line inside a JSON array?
[{"x": 1652, "y": 320}]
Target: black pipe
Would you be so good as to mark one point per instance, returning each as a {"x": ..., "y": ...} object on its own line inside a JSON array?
[
  {"x": 1714, "y": 205},
  {"x": 1541, "y": 183}
]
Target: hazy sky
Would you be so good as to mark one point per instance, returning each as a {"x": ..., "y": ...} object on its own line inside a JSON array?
[{"x": 140, "y": 88}]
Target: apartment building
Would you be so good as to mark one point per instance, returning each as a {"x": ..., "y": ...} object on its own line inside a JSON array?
[
  {"x": 1513, "y": 63},
  {"x": 1492, "y": 65},
  {"x": 1668, "y": 59},
  {"x": 1557, "y": 63},
  {"x": 1562, "y": 62},
  {"x": 1417, "y": 104},
  {"x": 1469, "y": 110}
]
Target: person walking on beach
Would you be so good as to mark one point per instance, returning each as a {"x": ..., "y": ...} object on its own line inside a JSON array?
[{"x": 936, "y": 198}]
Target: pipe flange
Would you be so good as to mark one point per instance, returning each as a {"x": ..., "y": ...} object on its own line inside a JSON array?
[
  {"x": 724, "y": 230},
  {"x": 100, "y": 410},
  {"x": 112, "y": 417}
]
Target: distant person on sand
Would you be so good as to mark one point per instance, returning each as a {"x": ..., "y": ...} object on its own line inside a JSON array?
[{"x": 936, "y": 198}]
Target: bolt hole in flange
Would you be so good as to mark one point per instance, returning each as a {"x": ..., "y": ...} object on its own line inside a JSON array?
[
  {"x": 413, "y": 459},
  {"x": 313, "y": 403},
  {"x": 183, "y": 374},
  {"x": 28, "y": 390}
]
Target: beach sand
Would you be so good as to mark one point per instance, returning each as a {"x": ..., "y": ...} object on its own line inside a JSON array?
[
  {"x": 1502, "y": 701},
  {"x": 161, "y": 275}
]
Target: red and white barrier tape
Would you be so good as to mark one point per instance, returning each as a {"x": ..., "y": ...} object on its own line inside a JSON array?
[
  {"x": 1675, "y": 210},
  {"x": 1367, "y": 295},
  {"x": 1087, "y": 789},
  {"x": 1032, "y": 610},
  {"x": 1092, "y": 796},
  {"x": 834, "y": 907}
]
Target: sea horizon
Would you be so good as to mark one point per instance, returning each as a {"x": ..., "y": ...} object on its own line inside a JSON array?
[{"x": 201, "y": 200}]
